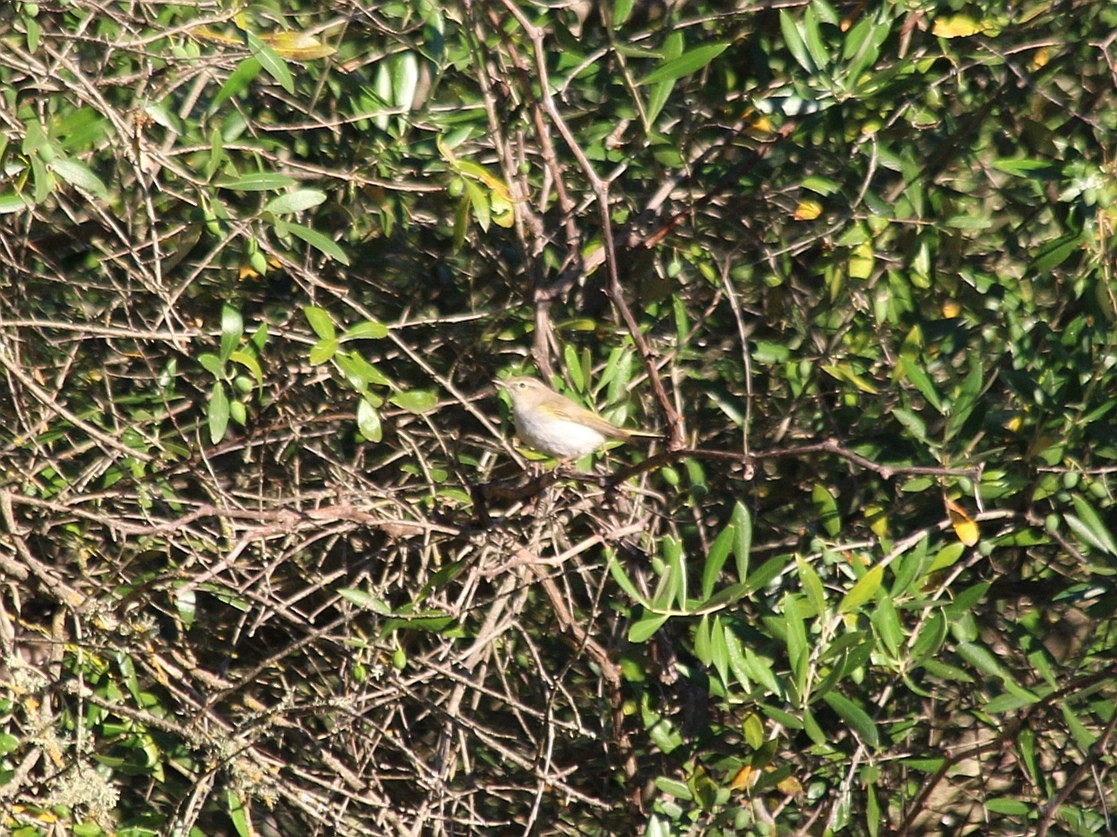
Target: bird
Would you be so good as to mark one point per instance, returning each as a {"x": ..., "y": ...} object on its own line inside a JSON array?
[{"x": 554, "y": 425}]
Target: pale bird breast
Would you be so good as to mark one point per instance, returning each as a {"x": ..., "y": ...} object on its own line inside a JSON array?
[{"x": 558, "y": 438}]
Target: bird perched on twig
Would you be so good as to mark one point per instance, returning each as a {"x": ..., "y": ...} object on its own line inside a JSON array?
[{"x": 551, "y": 423}]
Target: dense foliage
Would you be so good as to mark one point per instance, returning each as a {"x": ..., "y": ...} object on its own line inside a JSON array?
[{"x": 272, "y": 561}]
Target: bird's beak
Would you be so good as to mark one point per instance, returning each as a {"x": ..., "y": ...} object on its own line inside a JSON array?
[{"x": 499, "y": 384}]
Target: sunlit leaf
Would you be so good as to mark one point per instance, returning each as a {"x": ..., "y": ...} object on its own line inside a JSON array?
[
  {"x": 297, "y": 201},
  {"x": 217, "y": 413},
  {"x": 320, "y": 321},
  {"x": 965, "y": 527},
  {"x": 368, "y": 421},
  {"x": 807, "y": 210},
  {"x": 865, "y": 588},
  {"x": 956, "y": 26},
  {"x": 415, "y": 400},
  {"x": 297, "y": 46}
]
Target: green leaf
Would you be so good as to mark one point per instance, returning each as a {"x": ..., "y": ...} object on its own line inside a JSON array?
[
  {"x": 79, "y": 175},
  {"x": 623, "y": 581},
  {"x": 621, "y": 11},
  {"x": 1083, "y": 736},
  {"x": 795, "y": 636},
  {"x": 735, "y": 653},
  {"x": 857, "y": 718},
  {"x": 675, "y": 788},
  {"x": 1008, "y": 807},
  {"x": 235, "y": 806},
  {"x": 794, "y": 42},
  {"x": 212, "y": 364},
  {"x": 658, "y": 97},
  {"x": 786, "y": 719},
  {"x": 43, "y": 181},
  {"x": 702, "y": 642},
  {"x": 260, "y": 181},
  {"x": 1009, "y": 702},
  {"x": 826, "y": 510},
  {"x": 1054, "y": 253},
  {"x": 911, "y": 370},
  {"x": 812, "y": 37},
  {"x": 685, "y": 64},
  {"x": 273, "y": 65},
  {"x": 865, "y": 588},
  {"x": 405, "y": 79},
  {"x": 250, "y": 363},
  {"x": 946, "y": 557},
  {"x": 323, "y": 351},
  {"x": 742, "y": 540},
  {"x": 296, "y": 201},
  {"x": 415, "y": 400},
  {"x": 812, "y": 586},
  {"x": 760, "y": 670},
  {"x": 237, "y": 83},
  {"x": 715, "y": 559},
  {"x": 435, "y": 622},
  {"x": 319, "y": 242},
  {"x": 982, "y": 659},
  {"x": 873, "y": 818},
  {"x": 719, "y": 651},
  {"x": 479, "y": 203},
  {"x": 661, "y": 730},
  {"x": 320, "y": 321},
  {"x": 12, "y": 202},
  {"x": 886, "y": 620},
  {"x": 368, "y": 330},
  {"x": 1036, "y": 169},
  {"x": 671, "y": 589},
  {"x": 969, "y": 395},
  {"x": 365, "y": 599},
  {"x": 767, "y": 571},
  {"x": 1089, "y": 527},
  {"x": 359, "y": 372},
  {"x": 232, "y": 328},
  {"x": 218, "y": 413},
  {"x": 645, "y": 626},
  {"x": 912, "y": 423},
  {"x": 368, "y": 421}
]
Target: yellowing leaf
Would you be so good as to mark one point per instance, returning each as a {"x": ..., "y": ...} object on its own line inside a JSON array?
[
  {"x": 964, "y": 526},
  {"x": 807, "y": 210},
  {"x": 759, "y": 126},
  {"x": 205, "y": 33},
  {"x": 958, "y": 26},
  {"x": 951, "y": 309},
  {"x": 877, "y": 518},
  {"x": 844, "y": 373},
  {"x": 790, "y": 786},
  {"x": 745, "y": 778},
  {"x": 298, "y": 46}
]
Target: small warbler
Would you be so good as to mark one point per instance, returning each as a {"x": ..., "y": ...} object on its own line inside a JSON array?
[{"x": 553, "y": 424}]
